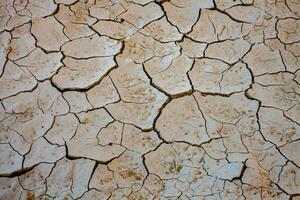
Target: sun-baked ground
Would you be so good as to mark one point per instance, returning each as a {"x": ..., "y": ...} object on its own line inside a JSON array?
[{"x": 144, "y": 99}]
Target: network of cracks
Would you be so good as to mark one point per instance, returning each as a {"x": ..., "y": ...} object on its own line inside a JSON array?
[{"x": 144, "y": 99}]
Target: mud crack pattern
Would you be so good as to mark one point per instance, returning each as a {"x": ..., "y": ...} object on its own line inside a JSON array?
[{"x": 150, "y": 99}]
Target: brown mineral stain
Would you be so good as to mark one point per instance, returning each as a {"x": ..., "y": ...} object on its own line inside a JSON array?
[
  {"x": 178, "y": 168},
  {"x": 262, "y": 177},
  {"x": 30, "y": 195},
  {"x": 132, "y": 174},
  {"x": 80, "y": 11},
  {"x": 136, "y": 197},
  {"x": 225, "y": 131},
  {"x": 8, "y": 49},
  {"x": 86, "y": 120},
  {"x": 175, "y": 168},
  {"x": 28, "y": 114}
]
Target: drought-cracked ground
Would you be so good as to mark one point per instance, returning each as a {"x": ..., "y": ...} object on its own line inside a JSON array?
[{"x": 144, "y": 99}]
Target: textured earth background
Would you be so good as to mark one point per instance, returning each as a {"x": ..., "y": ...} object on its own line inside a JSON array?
[{"x": 144, "y": 99}]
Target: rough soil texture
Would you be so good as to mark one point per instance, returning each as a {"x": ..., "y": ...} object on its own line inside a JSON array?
[{"x": 150, "y": 99}]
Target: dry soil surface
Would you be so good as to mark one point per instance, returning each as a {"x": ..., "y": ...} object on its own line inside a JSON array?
[{"x": 144, "y": 99}]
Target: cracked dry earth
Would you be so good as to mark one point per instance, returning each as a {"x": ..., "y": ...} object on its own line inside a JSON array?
[{"x": 144, "y": 99}]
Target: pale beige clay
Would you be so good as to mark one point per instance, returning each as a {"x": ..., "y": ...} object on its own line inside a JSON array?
[{"x": 149, "y": 100}]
